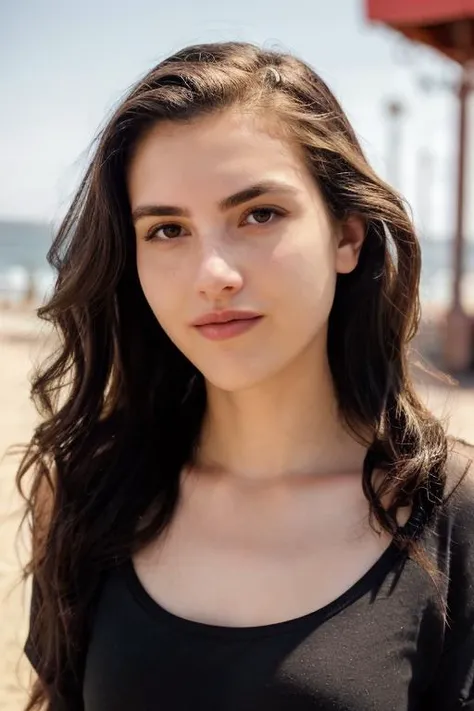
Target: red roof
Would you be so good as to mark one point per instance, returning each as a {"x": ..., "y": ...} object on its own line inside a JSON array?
[
  {"x": 419, "y": 12},
  {"x": 433, "y": 22}
]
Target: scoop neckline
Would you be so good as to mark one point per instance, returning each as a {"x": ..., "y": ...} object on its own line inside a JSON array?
[
  {"x": 363, "y": 585},
  {"x": 421, "y": 512}
]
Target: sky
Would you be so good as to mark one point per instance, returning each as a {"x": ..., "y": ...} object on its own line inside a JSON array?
[{"x": 65, "y": 65}]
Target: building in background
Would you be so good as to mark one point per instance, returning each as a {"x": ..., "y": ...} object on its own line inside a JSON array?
[{"x": 447, "y": 26}]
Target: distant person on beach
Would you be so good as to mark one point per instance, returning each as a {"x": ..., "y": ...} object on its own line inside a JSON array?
[{"x": 238, "y": 502}]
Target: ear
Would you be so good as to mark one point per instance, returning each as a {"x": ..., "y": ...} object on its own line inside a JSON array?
[{"x": 350, "y": 238}]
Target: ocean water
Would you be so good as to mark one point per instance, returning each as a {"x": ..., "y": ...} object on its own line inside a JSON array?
[
  {"x": 23, "y": 249},
  {"x": 24, "y": 245}
]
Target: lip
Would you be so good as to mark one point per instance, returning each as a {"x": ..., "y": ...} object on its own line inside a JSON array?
[
  {"x": 219, "y": 317},
  {"x": 219, "y": 326}
]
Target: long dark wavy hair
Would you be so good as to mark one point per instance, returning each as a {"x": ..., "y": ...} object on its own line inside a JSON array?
[{"x": 121, "y": 408}]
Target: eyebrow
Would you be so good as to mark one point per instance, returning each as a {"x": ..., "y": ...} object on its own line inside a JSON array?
[{"x": 239, "y": 198}]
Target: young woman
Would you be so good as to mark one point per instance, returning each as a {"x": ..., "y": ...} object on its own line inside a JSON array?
[{"x": 238, "y": 501}]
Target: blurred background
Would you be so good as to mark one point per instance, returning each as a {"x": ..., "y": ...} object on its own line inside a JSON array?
[{"x": 402, "y": 70}]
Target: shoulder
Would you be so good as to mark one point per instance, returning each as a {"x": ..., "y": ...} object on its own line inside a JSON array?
[
  {"x": 459, "y": 487},
  {"x": 454, "y": 522},
  {"x": 454, "y": 543},
  {"x": 449, "y": 529}
]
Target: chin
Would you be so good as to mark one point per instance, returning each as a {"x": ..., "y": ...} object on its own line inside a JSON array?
[{"x": 237, "y": 379}]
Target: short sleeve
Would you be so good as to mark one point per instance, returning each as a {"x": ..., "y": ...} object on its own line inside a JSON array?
[
  {"x": 456, "y": 678},
  {"x": 30, "y": 648},
  {"x": 453, "y": 688},
  {"x": 72, "y": 699}
]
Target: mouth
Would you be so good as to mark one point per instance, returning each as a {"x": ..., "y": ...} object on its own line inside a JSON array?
[{"x": 224, "y": 329}]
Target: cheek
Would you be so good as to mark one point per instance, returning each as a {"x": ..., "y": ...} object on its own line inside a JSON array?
[
  {"x": 160, "y": 285},
  {"x": 305, "y": 270}
]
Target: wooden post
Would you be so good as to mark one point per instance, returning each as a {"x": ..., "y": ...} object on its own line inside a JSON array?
[{"x": 459, "y": 327}]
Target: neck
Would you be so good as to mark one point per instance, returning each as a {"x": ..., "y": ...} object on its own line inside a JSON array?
[{"x": 287, "y": 425}]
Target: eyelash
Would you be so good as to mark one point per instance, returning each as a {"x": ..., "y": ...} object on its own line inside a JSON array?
[{"x": 276, "y": 213}]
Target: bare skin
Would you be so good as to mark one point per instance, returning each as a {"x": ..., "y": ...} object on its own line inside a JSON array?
[
  {"x": 272, "y": 522},
  {"x": 240, "y": 554}
]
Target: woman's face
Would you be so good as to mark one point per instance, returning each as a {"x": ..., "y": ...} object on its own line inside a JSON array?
[{"x": 227, "y": 217}]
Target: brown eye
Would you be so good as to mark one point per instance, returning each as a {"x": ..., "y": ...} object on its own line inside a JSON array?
[
  {"x": 165, "y": 232},
  {"x": 263, "y": 215}
]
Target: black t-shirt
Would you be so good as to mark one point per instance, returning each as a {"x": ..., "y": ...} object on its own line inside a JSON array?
[{"x": 381, "y": 646}]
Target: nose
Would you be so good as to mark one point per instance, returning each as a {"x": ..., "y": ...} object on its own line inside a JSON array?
[{"x": 217, "y": 277}]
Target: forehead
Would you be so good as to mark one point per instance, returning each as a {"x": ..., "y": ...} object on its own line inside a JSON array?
[{"x": 218, "y": 155}]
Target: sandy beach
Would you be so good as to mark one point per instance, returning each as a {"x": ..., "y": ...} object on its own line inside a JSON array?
[{"x": 22, "y": 341}]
